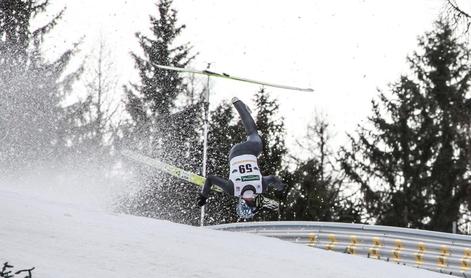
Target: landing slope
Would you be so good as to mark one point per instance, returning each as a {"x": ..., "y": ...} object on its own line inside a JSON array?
[{"x": 64, "y": 240}]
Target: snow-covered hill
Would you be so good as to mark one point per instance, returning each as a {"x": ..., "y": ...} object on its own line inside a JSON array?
[{"x": 68, "y": 240}]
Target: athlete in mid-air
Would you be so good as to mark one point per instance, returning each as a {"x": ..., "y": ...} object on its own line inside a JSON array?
[{"x": 245, "y": 180}]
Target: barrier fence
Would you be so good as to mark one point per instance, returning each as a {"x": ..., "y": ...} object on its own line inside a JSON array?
[{"x": 436, "y": 251}]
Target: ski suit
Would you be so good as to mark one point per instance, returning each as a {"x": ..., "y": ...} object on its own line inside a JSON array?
[{"x": 250, "y": 149}]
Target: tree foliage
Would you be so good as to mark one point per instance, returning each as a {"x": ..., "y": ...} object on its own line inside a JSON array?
[
  {"x": 31, "y": 88},
  {"x": 158, "y": 88},
  {"x": 158, "y": 126},
  {"x": 413, "y": 161},
  {"x": 317, "y": 190},
  {"x": 93, "y": 129},
  {"x": 457, "y": 15}
]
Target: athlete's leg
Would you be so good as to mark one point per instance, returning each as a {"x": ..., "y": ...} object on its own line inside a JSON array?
[
  {"x": 254, "y": 144},
  {"x": 247, "y": 120}
]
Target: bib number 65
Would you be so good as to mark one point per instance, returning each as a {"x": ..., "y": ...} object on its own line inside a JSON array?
[{"x": 247, "y": 168}]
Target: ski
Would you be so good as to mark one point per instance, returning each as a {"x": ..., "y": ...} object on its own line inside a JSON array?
[
  {"x": 182, "y": 174},
  {"x": 227, "y": 76},
  {"x": 167, "y": 168}
]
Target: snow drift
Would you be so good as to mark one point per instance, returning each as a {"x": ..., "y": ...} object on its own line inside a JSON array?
[{"x": 63, "y": 239}]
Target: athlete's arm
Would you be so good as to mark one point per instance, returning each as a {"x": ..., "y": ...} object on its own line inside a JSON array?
[{"x": 224, "y": 184}]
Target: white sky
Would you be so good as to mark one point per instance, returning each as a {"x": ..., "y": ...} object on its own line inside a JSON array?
[{"x": 343, "y": 49}]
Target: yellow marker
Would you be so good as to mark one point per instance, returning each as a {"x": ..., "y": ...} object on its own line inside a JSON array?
[
  {"x": 419, "y": 259},
  {"x": 373, "y": 252},
  {"x": 419, "y": 256},
  {"x": 444, "y": 250},
  {"x": 466, "y": 261},
  {"x": 332, "y": 242},
  {"x": 442, "y": 259},
  {"x": 397, "y": 250},
  {"x": 442, "y": 262},
  {"x": 421, "y": 247},
  {"x": 465, "y": 265},
  {"x": 353, "y": 242},
  {"x": 312, "y": 240}
]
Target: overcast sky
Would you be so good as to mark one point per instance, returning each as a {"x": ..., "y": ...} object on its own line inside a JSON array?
[{"x": 343, "y": 49}]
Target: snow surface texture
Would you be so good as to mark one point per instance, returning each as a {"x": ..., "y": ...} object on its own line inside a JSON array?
[{"x": 68, "y": 240}]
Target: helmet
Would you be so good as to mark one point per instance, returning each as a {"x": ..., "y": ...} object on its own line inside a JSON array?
[{"x": 244, "y": 209}]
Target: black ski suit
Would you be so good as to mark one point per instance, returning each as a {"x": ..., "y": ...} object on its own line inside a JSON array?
[{"x": 252, "y": 146}]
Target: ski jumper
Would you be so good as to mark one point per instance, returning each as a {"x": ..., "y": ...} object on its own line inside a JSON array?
[{"x": 244, "y": 171}]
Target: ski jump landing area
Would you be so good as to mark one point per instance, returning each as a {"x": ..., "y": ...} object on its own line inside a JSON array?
[{"x": 61, "y": 239}]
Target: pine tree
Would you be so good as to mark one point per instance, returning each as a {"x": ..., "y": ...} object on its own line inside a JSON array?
[
  {"x": 159, "y": 88},
  {"x": 316, "y": 188},
  {"x": 412, "y": 164},
  {"x": 151, "y": 102},
  {"x": 158, "y": 127},
  {"x": 31, "y": 88},
  {"x": 93, "y": 130}
]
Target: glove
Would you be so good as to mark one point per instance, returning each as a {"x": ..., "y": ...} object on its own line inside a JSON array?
[
  {"x": 259, "y": 201},
  {"x": 283, "y": 186},
  {"x": 201, "y": 200},
  {"x": 279, "y": 192}
]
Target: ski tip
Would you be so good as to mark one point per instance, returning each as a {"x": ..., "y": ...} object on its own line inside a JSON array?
[{"x": 235, "y": 99}]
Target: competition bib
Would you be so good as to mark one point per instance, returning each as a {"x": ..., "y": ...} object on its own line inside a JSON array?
[{"x": 244, "y": 171}]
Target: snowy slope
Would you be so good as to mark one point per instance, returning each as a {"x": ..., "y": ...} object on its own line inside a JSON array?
[{"x": 66, "y": 240}]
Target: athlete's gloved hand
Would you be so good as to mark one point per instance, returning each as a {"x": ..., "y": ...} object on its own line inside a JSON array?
[
  {"x": 283, "y": 186},
  {"x": 280, "y": 186},
  {"x": 201, "y": 200},
  {"x": 280, "y": 191}
]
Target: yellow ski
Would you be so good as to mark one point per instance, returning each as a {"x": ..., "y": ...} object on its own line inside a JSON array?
[
  {"x": 167, "y": 168},
  {"x": 182, "y": 174}
]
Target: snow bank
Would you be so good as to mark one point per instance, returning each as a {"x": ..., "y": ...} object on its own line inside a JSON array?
[{"x": 67, "y": 240}]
